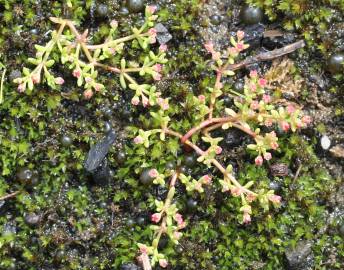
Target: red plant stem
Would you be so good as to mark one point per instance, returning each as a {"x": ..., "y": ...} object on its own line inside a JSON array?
[
  {"x": 204, "y": 124},
  {"x": 217, "y": 164}
]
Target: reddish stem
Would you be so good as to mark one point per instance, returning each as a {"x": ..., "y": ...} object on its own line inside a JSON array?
[{"x": 205, "y": 124}]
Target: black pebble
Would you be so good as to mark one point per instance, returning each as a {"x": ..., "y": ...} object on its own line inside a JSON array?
[
  {"x": 124, "y": 11},
  {"x": 190, "y": 160},
  {"x": 251, "y": 15},
  {"x": 228, "y": 101},
  {"x": 239, "y": 86},
  {"x": 216, "y": 19},
  {"x": 191, "y": 205},
  {"x": 24, "y": 175},
  {"x": 130, "y": 222},
  {"x": 121, "y": 157},
  {"x": 107, "y": 127},
  {"x": 233, "y": 138},
  {"x": 135, "y": 6},
  {"x": 335, "y": 63},
  {"x": 66, "y": 141},
  {"x": 145, "y": 178},
  {"x": 170, "y": 165},
  {"x": 102, "y": 10},
  {"x": 141, "y": 220}
]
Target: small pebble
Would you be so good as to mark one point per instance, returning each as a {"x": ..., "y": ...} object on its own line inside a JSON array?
[
  {"x": 251, "y": 15},
  {"x": 325, "y": 142},
  {"x": 135, "y": 6},
  {"x": 335, "y": 63},
  {"x": 216, "y": 19}
]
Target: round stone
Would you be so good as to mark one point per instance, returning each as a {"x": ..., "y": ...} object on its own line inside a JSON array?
[
  {"x": 251, "y": 15},
  {"x": 145, "y": 178},
  {"x": 215, "y": 19},
  {"x": 325, "y": 142},
  {"x": 66, "y": 140},
  {"x": 24, "y": 175},
  {"x": 102, "y": 10},
  {"x": 135, "y": 6},
  {"x": 335, "y": 63},
  {"x": 121, "y": 157}
]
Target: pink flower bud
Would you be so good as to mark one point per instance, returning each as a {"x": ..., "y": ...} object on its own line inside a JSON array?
[
  {"x": 138, "y": 140},
  {"x": 258, "y": 160},
  {"x": 177, "y": 235},
  {"x": 114, "y": 24},
  {"x": 77, "y": 73},
  {"x": 240, "y": 35},
  {"x": 152, "y": 32},
  {"x": 262, "y": 82},
  {"x": 151, "y": 9},
  {"x": 163, "y": 48},
  {"x": 209, "y": 46},
  {"x": 267, "y": 156},
  {"x": 253, "y": 87},
  {"x": 143, "y": 249},
  {"x": 157, "y": 76},
  {"x": 145, "y": 101},
  {"x": 275, "y": 198},
  {"x": 98, "y": 87},
  {"x": 306, "y": 119},
  {"x": 246, "y": 218},
  {"x": 179, "y": 218},
  {"x": 157, "y": 67},
  {"x": 88, "y": 93},
  {"x": 254, "y": 105},
  {"x": 253, "y": 73},
  {"x": 274, "y": 145},
  {"x": 218, "y": 150},
  {"x": 232, "y": 51},
  {"x": 201, "y": 98},
  {"x": 290, "y": 109},
  {"x": 239, "y": 46},
  {"x": 21, "y": 88},
  {"x": 285, "y": 126},
  {"x": 156, "y": 217},
  {"x": 206, "y": 179},
  {"x": 251, "y": 197},
  {"x": 59, "y": 80},
  {"x": 266, "y": 98},
  {"x": 163, "y": 263},
  {"x": 88, "y": 79},
  {"x": 236, "y": 191},
  {"x": 153, "y": 173},
  {"x": 135, "y": 100},
  {"x": 36, "y": 78}
]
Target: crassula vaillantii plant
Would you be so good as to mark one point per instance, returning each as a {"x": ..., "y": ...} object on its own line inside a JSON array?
[
  {"x": 254, "y": 108},
  {"x": 84, "y": 59}
]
